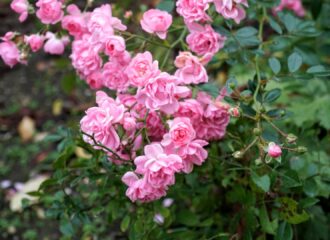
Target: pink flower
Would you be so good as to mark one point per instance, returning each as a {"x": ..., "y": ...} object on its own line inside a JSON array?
[
  {"x": 215, "y": 118},
  {"x": 55, "y": 45},
  {"x": 84, "y": 58},
  {"x": 231, "y": 9},
  {"x": 141, "y": 69},
  {"x": 21, "y": 7},
  {"x": 95, "y": 80},
  {"x": 194, "y": 153},
  {"x": 155, "y": 126},
  {"x": 158, "y": 167},
  {"x": 9, "y": 53},
  {"x": 181, "y": 132},
  {"x": 99, "y": 121},
  {"x": 274, "y": 150},
  {"x": 190, "y": 71},
  {"x": 101, "y": 20},
  {"x": 191, "y": 109},
  {"x": 193, "y": 10},
  {"x": 114, "y": 45},
  {"x": 76, "y": 22},
  {"x": 140, "y": 190},
  {"x": 35, "y": 41},
  {"x": 114, "y": 76},
  {"x": 156, "y": 21},
  {"x": 294, "y": 5},
  {"x": 234, "y": 112},
  {"x": 49, "y": 11},
  {"x": 162, "y": 93},
  {"x": 205, "y": 41}
]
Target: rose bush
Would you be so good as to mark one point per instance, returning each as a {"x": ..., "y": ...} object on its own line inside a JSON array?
[{"x": 175, "y": 121}]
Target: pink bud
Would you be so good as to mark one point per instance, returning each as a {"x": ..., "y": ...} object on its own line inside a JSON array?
[
  {"x": 274, "y": 150},
  {"x": 234, "y": 112}
]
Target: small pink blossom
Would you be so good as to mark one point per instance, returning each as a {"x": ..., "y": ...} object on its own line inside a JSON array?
[
  {"x": 159, "y": 168},
  {"x": 84, "y": 58},
  {"x": 193, "y": 10},
  {"x": 191, "y": 109},
  {"x": 75, "y": 22},
  {"x": 55, "y": 45},
  {"x": 162, "y": 93},
  {"x": 156, "y": 21},
  {"x": 193, "y": 154},
  {"x": 35, "y": 41},
  {"x": 95, "y": 80},
  {"x": 231, "y": 9},
  {"x": 234, "y": 112},
  {"x": 101, "y": 20},
  {"x": 9, "y": 53},
  {"x": 155, "y": 126},
  {"x": 294, "y": 5},
  {"x": 274, "y": 150},
  {"x": 21, "y": 7},
  {"x": 49, "y": 11},
  {"x": 140, "y": 190},
  {"x": 114, "y": 76},
  {"x": 141, "y": 69},
  {"x": 114, "y": 45},
  {"x": 181, "y": 132},
  {"x": 190, "y": 71},
  {"x": 99, "y": 121},
  {"x": 205, "y": 41}
]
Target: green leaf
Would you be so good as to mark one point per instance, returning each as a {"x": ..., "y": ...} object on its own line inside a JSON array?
[
  {"x": 290, "y": 213},
  {"x": 272, "y": 95},
  {"x": 275, "y": 65},
  {"x": 166, "y": 5},
  {"x": 308, "y": 202},
  {"x": 274, "y": 25},
  {"x": 266, "y": 224},
  {"x": 284, "y": 232},
  {"x": 187, "y": 218},
  {"x": 294, "y": 62},
  {"x": 246, "y": 32},
  {"x": 68, "y": 82},
  {"x": 262, "y": 182},
  {"x": 125, "y": 223}
]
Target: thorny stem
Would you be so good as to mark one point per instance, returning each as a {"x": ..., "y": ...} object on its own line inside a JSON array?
[{"x": 274, "y": 126}]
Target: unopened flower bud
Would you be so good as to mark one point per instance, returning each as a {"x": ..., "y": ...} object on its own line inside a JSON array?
[
  {"x": 301, "y": 149},
  {"x": 257, "y": 131},
  {"x": 232, "y": 85},
  {"x": 238, "y": 154},
  {"x": 291, "y": 138},
  {"x": 234, "y": 112},
  {"x": 274, "y": 150}
]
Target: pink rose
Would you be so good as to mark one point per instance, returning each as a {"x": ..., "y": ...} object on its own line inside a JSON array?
[
  {"x": 140, "y": 190},
  {"x": 114, "y": 45},
  {"x": 194, "y": 153},
  {"x": 205, "y": 41},
  {"x": 101, "y": 20},
  {"x": 141, "y": 69},
  {"x": 114, "y": 76},
  {"x": 99, "y": 121},
  {"x": 162, "y": 93},
  {"x": 215, "y": 118},
  {"x": 155, "y": 126},
  {"x": 49, "y": 11},
  {"x": 193, "y": 10},
  {"x": 84, "y": 58},
  {"x": 181, "y": 132},
  {"x": 158, "y": 167},
  {"x": 94, "y": 80},
  {"x": 274, "y": 150},
  {"x": 76, "y": 22},
  {"x": 294, "y": 5},
  {"x": 55, "y": 45},
  {"x": 231, "y": 9},
  {"x": 35, "y": 41},
  {"x": 21, "y": 7},
  {"x": 191, "y": 109},
  {"x": 156, "y": 21},
  {"x": 190, "y": 71},
  {"x": 9, "y": 53}
]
